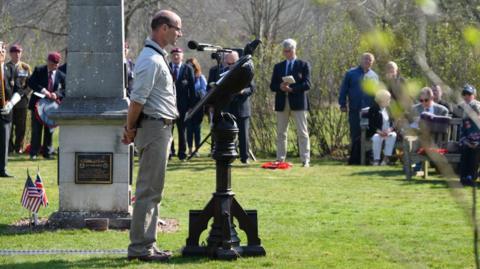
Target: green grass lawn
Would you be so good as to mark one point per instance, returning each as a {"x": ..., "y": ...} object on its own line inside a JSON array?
[{"x": 327, "y": 216}]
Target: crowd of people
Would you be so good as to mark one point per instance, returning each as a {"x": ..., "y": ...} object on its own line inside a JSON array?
[
  {"x": 21, "y": 90},
  {"x": 163, "y": 88},
  {"x": 386, "y": 121}
]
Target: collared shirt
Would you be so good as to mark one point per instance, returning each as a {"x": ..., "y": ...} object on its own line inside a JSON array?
[
  {"x": 352, "y": 90},
  {"x": 289, "y": 66},
  {"x": 53, "y": 77},
  {"x": 177, "y": 67},
  {"x": 153, "y": 84},
  {"x": 429, "y": 109},
  {"x": 386, "y": 119}
]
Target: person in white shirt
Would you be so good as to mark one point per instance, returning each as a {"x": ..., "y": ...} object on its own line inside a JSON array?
[{"x": 381, "y": 129}]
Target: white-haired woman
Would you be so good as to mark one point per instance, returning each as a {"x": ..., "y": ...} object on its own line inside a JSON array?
[{"x": 380, "y": 129}]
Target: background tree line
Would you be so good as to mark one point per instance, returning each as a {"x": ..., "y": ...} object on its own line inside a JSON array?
[{"x": 432, "y": 42}]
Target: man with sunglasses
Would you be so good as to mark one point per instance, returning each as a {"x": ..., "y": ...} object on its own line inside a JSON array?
[
  {"x": 426, "y": 104},
  {"x": 152, "y": 111},
  {"x": 470, "y": 136},
  {"x": 240, "y": 107}
]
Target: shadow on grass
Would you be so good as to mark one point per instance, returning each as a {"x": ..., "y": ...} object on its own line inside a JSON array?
[
  {"x": 12, "y": 230},
  {"x": 99, "y": 262},
  {"x": 381, "y": 173},
  {"x": 399, "y": 175}
]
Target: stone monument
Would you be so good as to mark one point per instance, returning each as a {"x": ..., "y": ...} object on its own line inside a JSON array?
[{"x": 94, "y": 167}]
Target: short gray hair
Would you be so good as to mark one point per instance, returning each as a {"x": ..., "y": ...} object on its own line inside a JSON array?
[
  {"x": 427, "y": 92},
  {"x": 289, "y": 44}
]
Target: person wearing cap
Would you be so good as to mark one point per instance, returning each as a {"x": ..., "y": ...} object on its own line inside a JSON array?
[
  {"x": 184, "y": 78},
  {"x": 292, "y": 98},
  {"x": 48, "y": 82},
  {"x": 10, "y": 96},
  {"x": 469, "y": 136},
  {"x": 353, "y": 98},
  {"x": 21, "y": 73}
]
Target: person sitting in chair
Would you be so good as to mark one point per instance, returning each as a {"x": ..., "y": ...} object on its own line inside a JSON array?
[
  {"x": 426, "y": 104},
  {"x": 380, "y": 127},
  {"x": 470, "y": 136}
]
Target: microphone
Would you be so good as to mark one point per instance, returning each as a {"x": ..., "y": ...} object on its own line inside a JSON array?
[{"x": 194, "y": 45}]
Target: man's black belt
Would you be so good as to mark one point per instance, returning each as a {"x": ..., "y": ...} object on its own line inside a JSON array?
[{"x": 164, "y": 120}]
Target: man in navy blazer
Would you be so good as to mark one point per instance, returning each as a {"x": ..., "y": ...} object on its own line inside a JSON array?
[
  {"x": 184, "y": 78},
  {"x": 49, "y": 81},
  {"x": 240, "y": 108},
  {"x": 291, "y": 98}
]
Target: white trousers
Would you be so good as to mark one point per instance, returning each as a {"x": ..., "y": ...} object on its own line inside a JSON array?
[
  {"x": 377, "y": 142},
  {"x": 301, "y": 123}
]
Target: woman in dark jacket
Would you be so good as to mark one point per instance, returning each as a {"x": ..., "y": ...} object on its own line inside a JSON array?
[{"x": 380, "y": 128}]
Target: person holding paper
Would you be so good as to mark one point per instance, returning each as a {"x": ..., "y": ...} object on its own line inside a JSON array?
[
  {"x": 290, "y": 82},
  {"x": 9, "y": 96},
  {"x": 46, "y": 82}
]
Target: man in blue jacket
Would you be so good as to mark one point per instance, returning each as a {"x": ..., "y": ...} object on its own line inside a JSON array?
[
  {"x": 291, "y": 98},
  {"x": 353, "y": 90}
]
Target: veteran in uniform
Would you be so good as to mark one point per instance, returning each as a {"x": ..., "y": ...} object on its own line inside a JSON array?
[
  {"x": 21, "y": 73},
  {"x": 9, "y": 96}
]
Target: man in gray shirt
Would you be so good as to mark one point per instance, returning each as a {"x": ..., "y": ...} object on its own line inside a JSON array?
[{"x": 151, "y": 114}]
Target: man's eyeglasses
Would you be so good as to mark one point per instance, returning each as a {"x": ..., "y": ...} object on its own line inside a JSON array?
[
  {"x": 174, "y": 27},
  {"x": 423, "y": 100}
]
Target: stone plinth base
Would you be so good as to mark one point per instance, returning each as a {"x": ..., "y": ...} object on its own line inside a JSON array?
[{"x": 76, "y": 219}]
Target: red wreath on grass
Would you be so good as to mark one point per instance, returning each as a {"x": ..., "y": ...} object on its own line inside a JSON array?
[{"x": 277, "y": 165}]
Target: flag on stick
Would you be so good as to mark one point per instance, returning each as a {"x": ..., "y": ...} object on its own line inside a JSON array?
[
  {"x": 34, "y": 195},
  {"x": 41, "y": 189}
]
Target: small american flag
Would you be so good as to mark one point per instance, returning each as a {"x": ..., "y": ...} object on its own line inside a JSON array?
[{"x": 34, "y": 195}]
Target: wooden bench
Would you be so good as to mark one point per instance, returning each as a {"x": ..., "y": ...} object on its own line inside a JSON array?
[{"x": 411, "y": 144}]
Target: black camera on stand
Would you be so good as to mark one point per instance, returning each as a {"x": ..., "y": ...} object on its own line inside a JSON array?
[{"x": 223, "y": 242}]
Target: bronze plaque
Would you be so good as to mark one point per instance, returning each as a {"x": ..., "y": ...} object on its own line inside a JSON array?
[{"x": 93, "y": 167}]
